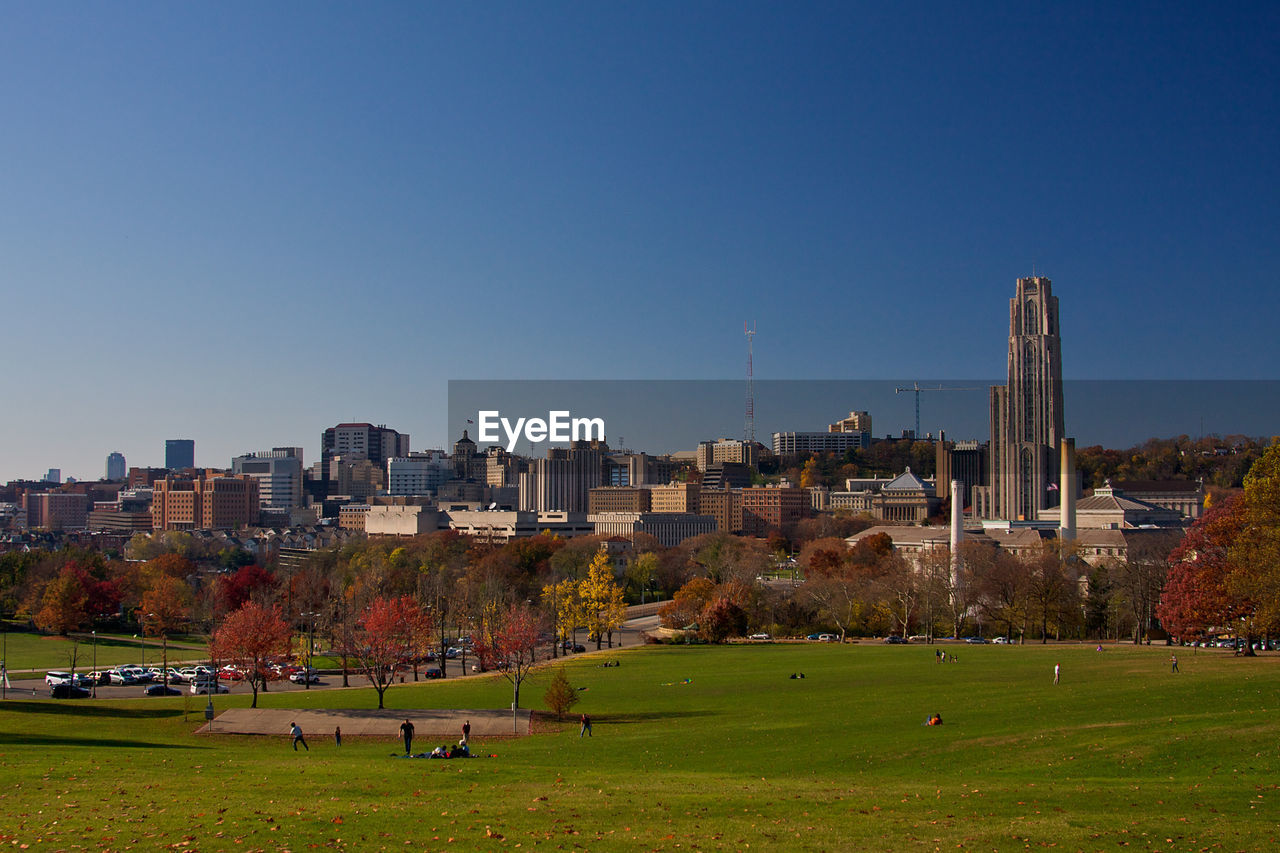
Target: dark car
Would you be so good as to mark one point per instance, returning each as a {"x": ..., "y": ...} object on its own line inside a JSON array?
[
  {"x": 895, "y": 640},
  {"x": 68, "y": 691},
  {"x": 433, "y": 672},
  {"x": 976, "y": 641},
  {"x": 162, "y": 690}
]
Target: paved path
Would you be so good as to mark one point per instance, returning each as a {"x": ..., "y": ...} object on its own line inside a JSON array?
[{"x": 429, "y": 725}]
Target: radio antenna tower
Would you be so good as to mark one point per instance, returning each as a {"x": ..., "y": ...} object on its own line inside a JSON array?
[{"x": 749, "y": 431}]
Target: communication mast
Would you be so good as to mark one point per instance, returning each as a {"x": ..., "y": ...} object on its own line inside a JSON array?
[{"x": 749, "y": 430}]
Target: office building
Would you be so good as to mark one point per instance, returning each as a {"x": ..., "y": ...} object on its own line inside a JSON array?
[
  {"x": 353, "y": 441},
  {"x": 618, "y": 499},
  {"x": 56, "y": 511},
  {"x": 419, "y": 473},
  {"x": 116, "y": 468},
  {"x": 669, "y": 528},
  {"x": 798, "y": 443},
  {"x": 770, "y": 509},
  {"x": 856, "y": 422},
  {"x": 179, "y": 453},
  {"x": 279, "y": 475},
  {"x": 210, "y": 500}
]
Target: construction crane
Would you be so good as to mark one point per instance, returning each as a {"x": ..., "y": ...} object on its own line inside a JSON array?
[{"x": 915, "y": 387}]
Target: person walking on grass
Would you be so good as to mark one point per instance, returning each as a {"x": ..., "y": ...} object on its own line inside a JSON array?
[
  {"x": 586, "y": 726},
  {"x": 1057, "y": 670},
  {"x": 296, "y": 732},
  {"x": 406, "y": 729},
  {"x": 466, "y": 732},
  {"x": 1173, "y": 659}
]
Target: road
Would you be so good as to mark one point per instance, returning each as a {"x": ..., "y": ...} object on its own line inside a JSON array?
[{"x": 629, "y": 636}]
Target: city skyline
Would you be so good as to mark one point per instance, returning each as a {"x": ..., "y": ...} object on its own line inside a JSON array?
[{"x": 289, "y": 232}]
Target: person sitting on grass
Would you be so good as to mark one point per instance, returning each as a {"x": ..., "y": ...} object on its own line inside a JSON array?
[
  {"x": 935, "y": 720},
  {"x": 438, "y": 752},
  {"x": 462, "y": 750}
]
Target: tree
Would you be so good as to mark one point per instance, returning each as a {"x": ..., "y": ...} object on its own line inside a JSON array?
[
  {"x": 686, "y": 606},
  {"x": 1256, "y": 552},
  {"x": 1142, "y": 576},
  {"x": 510, "y": 644},
  {"x": 1196, "y": 597},
  {"x": 251, "y": 638},
  {"x": 723, "y": 619},
  {"x": 601, "y": 596},
  {"x": 391, "y": 634},
  {"x": 560, "y": 695},
  {"x": 166, "y": 607},
  {"x": 249, "y": 582},
  {"x": 65, "y": 603}
]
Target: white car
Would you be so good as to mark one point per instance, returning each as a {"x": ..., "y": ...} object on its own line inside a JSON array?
[
  {"x": 211, "y": 685},
  {"x": 759, "y": 637},
  {"x": 55, "y": 678}
]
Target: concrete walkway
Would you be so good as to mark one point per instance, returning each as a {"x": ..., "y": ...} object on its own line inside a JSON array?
[{"x": 317, "y": 724}]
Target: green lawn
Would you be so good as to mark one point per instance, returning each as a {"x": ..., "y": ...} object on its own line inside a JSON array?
[
  {"x": 29, "y": 651},
  {"x": 1121, "y": 753}
]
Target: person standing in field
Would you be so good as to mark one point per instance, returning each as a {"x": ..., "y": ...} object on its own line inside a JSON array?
[
  {"x": 1057, "y": 670},
  {"x": 1173, "y": 659},
  {"x": 406, "y": 729},
  {"x": 466, "y": 732},
  {"x": 296, "y": 732},
  {"x": 586, "y": 726},
  {"x": 337, "y": 736}
]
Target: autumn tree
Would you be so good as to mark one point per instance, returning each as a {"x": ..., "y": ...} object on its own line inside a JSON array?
[
  {"x": 166, "y": 608},
  {"x": 723, "y": 618},
  {"x": 602, "y": 603},
  {"x": 564, "y": 604},
  {"x": 65, "y": 603},
  {"x": 1256, "y": 552},
  {"x": 390, "y": 635},
  {"x": 686, "y": 606},
  {"x": 510, "y": 644},
  {"x": 1196, "y": 597},
  {"x": 251, "y": 638}
]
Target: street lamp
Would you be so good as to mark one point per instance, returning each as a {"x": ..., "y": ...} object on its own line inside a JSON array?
[
  {"x": 311, "y": 647},
  {"x": 95, "y": 664}
]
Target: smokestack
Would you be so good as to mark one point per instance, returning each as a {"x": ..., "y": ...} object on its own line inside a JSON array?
[
  {"x": 1067, "y": 486},
  {"x": 957, "y": 528}
]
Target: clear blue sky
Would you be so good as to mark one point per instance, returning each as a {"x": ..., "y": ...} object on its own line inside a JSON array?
[{"x": 243, "y": 222}]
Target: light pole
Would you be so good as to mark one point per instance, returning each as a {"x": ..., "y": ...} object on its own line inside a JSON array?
[
  {"x": 311, "y": 647},
  {"x": 95, "y": 664}
]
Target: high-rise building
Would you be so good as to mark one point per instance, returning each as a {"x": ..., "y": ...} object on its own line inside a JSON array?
[
  {"x": 279, "y": 475},
  {"x": 360, "y": 441},
  {"x": 116, "y": 467},
  {"x": 563, "y": 481},
  {"x": 179, "y": 453},
  {"x": 856, "y": 422},
  {"x": 54, "y": 476},
  {"x": 1026, "y": 414},
  {"x": 214, "y": 502},
  {"x": 419, "y": 473}
]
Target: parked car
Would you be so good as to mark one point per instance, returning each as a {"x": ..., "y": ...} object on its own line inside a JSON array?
[
  {"x": 813, "y": 637},
  {"x": 67, "y": 690},
  {"x": 976, "y": 641},
  {"x": 894, "y": 640},
  {"x": 575, "y": 648},
  {"x": 1001, "y": 641},
  {"x": 433, "y": 672},
  {"x": 176, "y": 676},
  {"x": 759, "y": 637},
  {"x": 828, "y": 638},
  {"x": 161, "y": 690},
  {"x": 136, "y": 672},
  {"x": 54, "y": 678},
  {"x": 304, "y": 677},
  {"x": 200, "y": 686}
]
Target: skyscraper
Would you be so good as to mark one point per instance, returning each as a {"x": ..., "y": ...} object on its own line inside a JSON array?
[
  {"x": 1026, "y": 414},
  {"x": 359, "y": 441},
  {"x": 179, "y": 453},
  {"x": 116, "y": 468}
]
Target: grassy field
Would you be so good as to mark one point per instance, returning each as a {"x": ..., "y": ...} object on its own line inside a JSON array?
[
  {"x": 28, "y": 651},
  {"x": 1121, "y": 753}
]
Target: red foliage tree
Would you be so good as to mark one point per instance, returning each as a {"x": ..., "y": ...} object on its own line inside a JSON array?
[
  {"x": 391, "y": 634},
  {"x": 234, "y": 590},
  {"x": 1196, "y": 597},
  {"x": 511, "y": 643},
  {"x": 251, "y": 638}
]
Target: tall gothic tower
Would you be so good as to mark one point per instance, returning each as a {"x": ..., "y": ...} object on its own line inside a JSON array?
[{"x": 1026, "y": 414}]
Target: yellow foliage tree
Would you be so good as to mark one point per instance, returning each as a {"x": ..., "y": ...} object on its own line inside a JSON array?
[{"x": 601, "y": 597}]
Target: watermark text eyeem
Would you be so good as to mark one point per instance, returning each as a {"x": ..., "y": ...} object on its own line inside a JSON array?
[{"x": 559, "y": 426}]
